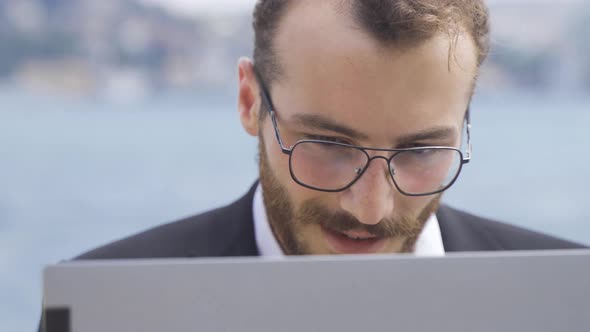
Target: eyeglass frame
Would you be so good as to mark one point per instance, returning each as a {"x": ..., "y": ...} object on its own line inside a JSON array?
[{"x": 465, "y": 158}]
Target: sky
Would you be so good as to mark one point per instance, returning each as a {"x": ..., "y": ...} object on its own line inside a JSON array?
[{"x": 240, "y": 6}]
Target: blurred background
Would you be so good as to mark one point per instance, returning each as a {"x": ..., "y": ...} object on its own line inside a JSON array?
[{"x": 117, "y": 115}]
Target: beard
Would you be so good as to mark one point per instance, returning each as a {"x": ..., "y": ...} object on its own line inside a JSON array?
[{"x": 285, "y": 219}]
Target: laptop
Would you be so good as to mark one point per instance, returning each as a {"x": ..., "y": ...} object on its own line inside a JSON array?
[{"x": 500, "y": 291}]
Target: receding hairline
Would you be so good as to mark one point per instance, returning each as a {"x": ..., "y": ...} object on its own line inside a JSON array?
[{"x": 346, "y": 9}]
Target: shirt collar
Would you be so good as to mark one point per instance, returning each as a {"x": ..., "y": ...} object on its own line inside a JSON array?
[
  {"x": 265, "y": 240},
  {"x": 429, "y": 242}
]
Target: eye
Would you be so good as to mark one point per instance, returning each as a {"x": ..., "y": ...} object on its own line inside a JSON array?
[{"x": 423, "y": 153}]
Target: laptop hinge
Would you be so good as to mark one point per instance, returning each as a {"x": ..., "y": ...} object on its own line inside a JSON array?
[{"x": 56, "y": 320}]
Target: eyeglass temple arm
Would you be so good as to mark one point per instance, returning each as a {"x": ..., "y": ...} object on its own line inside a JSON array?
[
  {"x": 467, "y": 157},
  {"x": 274, "y": 123},
  {"x": 269, "y": 106}
]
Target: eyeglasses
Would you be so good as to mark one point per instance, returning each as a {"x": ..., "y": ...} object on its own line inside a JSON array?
[{"x": 333, "y": 166}]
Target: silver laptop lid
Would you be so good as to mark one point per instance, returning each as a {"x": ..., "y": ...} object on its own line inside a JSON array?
[{"x": 524, "y": 291}]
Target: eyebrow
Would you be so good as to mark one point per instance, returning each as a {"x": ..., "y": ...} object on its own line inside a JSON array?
[
  {"x": 437, "y": 133},
  {"x": 315, "y": 121},
  {"x": 318, "y": 122}
]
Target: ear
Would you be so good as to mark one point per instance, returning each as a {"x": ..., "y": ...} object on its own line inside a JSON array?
[{"x": 248, "y": 96}]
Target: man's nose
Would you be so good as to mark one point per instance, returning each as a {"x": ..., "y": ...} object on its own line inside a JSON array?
[{"x": 370, "y": 198}]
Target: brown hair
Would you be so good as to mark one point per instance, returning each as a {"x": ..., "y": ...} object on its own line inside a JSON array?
[{"x": 391, "y": 22}]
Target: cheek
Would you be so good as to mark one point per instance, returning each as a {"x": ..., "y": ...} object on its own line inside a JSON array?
[
  {"x": 279, "y": 164},
  {"x": 277, "y": 160},
  {"x": 410, "y": 206}
]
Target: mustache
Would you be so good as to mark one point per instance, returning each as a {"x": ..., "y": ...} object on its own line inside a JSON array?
[{"x": 341, "y": 221}]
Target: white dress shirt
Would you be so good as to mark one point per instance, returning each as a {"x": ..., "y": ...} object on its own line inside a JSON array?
[{"x": 429, "y": 242}]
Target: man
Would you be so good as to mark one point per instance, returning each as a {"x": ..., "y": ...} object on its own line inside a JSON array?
[{"x": 360, "y": 109}]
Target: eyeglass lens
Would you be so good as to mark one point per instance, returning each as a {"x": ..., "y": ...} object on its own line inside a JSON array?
[{"x": 330, "y": 166}]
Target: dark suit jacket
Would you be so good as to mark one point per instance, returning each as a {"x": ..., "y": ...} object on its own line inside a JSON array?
[{"x": 229, "y": 231}]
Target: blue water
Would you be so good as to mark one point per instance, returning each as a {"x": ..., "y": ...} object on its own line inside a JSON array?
[{"x": 75, "y": 175}]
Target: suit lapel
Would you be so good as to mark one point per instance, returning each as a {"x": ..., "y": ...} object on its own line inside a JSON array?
[
  {"x": 240, "y": 220},
  {"x": 460, "y": 232}
]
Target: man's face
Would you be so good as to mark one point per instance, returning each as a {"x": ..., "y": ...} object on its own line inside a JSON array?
[{"x": 335, "y": 72}]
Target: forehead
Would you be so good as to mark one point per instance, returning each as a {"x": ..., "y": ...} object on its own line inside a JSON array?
[{"x": 333, "y": 67}]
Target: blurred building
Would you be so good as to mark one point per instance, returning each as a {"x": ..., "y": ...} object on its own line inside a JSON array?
[{"x": 125, "y": 48}]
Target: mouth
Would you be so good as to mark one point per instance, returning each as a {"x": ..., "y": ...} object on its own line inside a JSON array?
[{"x": 353, "y": 241}]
